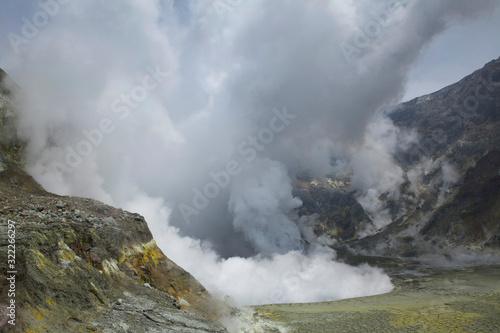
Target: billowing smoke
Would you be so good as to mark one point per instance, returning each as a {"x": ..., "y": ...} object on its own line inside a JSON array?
[
  {"x": 374, "y": 171},
  {"x": 260, "y": 201},
  {"x": 199, "y": 114},
  {"x": 278, "y": 278}
]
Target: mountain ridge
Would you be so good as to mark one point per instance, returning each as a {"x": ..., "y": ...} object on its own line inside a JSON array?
[{"x": 457, "y": 127}]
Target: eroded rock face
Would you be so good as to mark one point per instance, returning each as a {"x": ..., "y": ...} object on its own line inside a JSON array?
[
  {"x": 459, "y": 129},
  {"x": 93, "y": 267},
  {"x": 83, "y": 266},
  {"x": 458, "y": 125}
]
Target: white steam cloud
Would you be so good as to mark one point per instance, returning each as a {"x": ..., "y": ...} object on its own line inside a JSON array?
[
  {"x": 261, "y": 201},
  {"x": 280, "y": 278},
  {"x": 210, "y": 108}
]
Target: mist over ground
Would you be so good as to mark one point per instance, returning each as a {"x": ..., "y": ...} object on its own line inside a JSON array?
[{"x": 199, "y": 115}]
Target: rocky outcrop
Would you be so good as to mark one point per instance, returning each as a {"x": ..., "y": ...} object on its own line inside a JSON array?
[
  {"x": 335, "y": 211},
  {"x": 82, "y": 266}
]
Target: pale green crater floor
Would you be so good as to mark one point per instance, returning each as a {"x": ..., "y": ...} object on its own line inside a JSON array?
[{"x": 425, "y": 301}]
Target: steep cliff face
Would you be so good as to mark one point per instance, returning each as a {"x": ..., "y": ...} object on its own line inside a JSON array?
[
  {"x": 450, "y": 197},
  {"x": 459, "y": 126},
  {"x": 83, "y": 266}
]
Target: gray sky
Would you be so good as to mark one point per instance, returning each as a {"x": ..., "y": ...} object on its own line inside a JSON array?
[{"x": 465, "y": 47}]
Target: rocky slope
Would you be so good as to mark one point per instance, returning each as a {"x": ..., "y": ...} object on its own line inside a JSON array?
[
  {"x": 458, "y": 126},
  {"x": 473, "y": 214},
  {"x": 450, "y": 198},
  {"x": 82, "y": 266}
]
